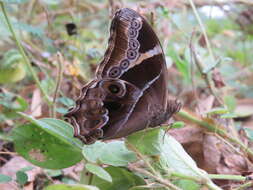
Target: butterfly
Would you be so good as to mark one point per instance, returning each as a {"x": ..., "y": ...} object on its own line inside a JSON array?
[{"x": 129, "y": 91}]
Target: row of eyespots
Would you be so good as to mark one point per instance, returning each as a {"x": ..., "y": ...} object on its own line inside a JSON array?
[
  {"x": 132, "y": 51},
  {"x": 133, "y": 43}
]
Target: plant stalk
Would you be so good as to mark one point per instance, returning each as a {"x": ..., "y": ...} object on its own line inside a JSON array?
[{"x": 22, "y": 52}]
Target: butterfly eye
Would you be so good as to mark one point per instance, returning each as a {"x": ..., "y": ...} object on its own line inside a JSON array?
[
  {"x": 124, "y": 64},
  {"x": 114, "y": 72},
  {"x": 136, "y": 24},
  {"x": 132, "y": 33},
  {"x": 114, "y": 89},
  {"x": 117, "y": 88},
  {"x": 131, "y": 54},
  {"x": 134, "y": 44}
]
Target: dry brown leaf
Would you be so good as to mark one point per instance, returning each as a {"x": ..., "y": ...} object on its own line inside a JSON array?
[
  {"x": 211, "y": 151},
  {"x": 36, "y": 103},
  {"x": 205, "y": 105}
]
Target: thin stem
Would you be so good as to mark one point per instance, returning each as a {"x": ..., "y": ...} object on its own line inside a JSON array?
[
  {"x": 182, "y": 176},
  {"x": 158, "y": 179},
  {"x": 227, "y": 177},
  {"x": 214, "y": 128},
  {"x": 22, "y": 52},
  {"x": 59, "y": 79},
  {"x": 205, "y": 76},
  {"x": 202, "y": 29}
]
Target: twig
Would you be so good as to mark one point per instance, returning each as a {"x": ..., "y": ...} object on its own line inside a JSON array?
[
  {"x": 60, "y": 62},
  {"x": 192, "y": 67},
  {"x": 205, "y": 76},
  {"x": 22, "y": 52},
  {"x": 202, "y": 27},
  {"x": 244, "y": 186},
  {"x": 10, "y": 153}
]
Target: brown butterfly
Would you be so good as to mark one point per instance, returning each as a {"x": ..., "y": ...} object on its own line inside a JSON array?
[{"x": 129, "y": 92}]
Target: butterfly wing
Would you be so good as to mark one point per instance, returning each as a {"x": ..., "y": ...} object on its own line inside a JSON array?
[
  {"x": 129, "y": 92},
  {"x": 134, "y": 54}
]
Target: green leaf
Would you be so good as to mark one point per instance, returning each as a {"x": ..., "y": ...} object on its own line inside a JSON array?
[
  {"x": 177, "y": 125},
  {"x": 98, "y": 171},
  {"x": 116, "y": 154},
  {"x": 4, "y": 178},
  {"x": 48, "y": 143},
  {"x": 113, "y": 153},
  {"x": 93, "y": 152},
  {"x": 13, "y": 101},
  {"x": 249, "y": 133},
  {"x": 230, "y": 102},
  {"x": 70, "y": 187},
  {"x": 58, "y": 128},
  {"x": 187, "y": 184},
  {"x": 121, "y": 179},
  {"x": 53, "y": 173},
  {"x": 181, "y": 64},
  {"x": 62, "y": 110},
  {"x": 218, "y": 111},
  {"x": 229, "y": 115},
  {"x": 21, "y": 177},
  {"x": 66, "y": 101}
]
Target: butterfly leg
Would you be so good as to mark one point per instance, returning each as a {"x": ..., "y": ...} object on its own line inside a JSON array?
[{"x": 173, "y": 106}]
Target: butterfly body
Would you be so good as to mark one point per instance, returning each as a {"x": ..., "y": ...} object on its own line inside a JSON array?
[{"x": 129, "y": 92}]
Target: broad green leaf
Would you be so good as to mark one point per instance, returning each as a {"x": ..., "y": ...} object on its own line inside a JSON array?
[
  {"x": 98, "y": 171},
  {"x": 187, "y": 184},
  {"x": 116, "y": 154},
  {"x": 57, "y": 128},
  {"x": 121, "y": 179},
  {"x": 93, "y": 152},
  {"x": 4, "y": 178},
  {"x": 21, "y": 177},
  {"x": 44, "y": 149},
  {"x": 113, "y": 153},
  {"x": 70, "y": 187}
]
